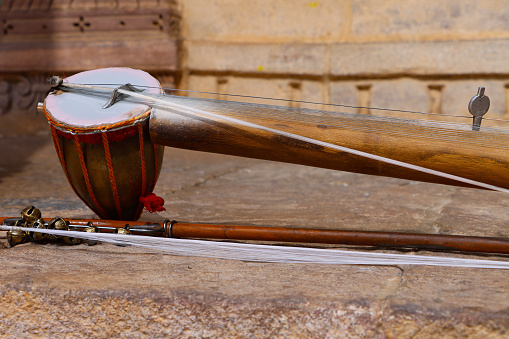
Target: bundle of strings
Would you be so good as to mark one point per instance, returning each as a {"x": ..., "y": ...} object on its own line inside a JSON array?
[{"x": 268, "y": 253}]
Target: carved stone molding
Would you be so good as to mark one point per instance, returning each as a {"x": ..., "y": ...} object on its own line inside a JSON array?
[
  {"x": 65, "y": 5},
  {"x": 21, "y": 93},
  {"x": 75, "y": 35},
  {"x": 45, "y": 37},
  {"x": 47, "y": 23}
]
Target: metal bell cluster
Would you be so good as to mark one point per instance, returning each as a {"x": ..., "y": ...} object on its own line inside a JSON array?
[{"x": 31, "y": 217}]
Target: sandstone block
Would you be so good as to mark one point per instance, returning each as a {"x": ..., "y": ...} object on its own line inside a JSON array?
[
  {"x": 435, "y": 19},
  {"x": 404, "y": 94},
  {"x": 265, "y": 20},
  {"x": 425, "y": 58},
  {"x": 344, "y": 93},
  {"x": 289, "y": 89},
  {"x": 63, "y": 55},
  {"x": 257, "y": 58}
]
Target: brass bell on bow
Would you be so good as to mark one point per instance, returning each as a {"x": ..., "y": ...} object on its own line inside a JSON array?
[
  {"x": 29, "y": 215},
  {"x": 16, "y": 237}
]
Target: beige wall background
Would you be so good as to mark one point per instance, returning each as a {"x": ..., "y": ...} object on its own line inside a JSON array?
[{"x": 427, "y": 56}]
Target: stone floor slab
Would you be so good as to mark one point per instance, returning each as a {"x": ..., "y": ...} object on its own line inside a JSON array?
[{"x": 108, "y": 291}]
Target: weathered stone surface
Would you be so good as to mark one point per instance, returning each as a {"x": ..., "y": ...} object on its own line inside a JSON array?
[
  {"x": 94, "y": 54},
  {"x": 257, "y": 58},
  {"x": 404, "y": 94},
  {"x": 265, "y": 20},
  {"x": 417, "y": 20},
  {"x": 300, "y": 90},
  {"x": 400, "y": 55},
  {"x": 428, "y": 57},
  {"x": 422, "y": 58},
  {"x": 104, "y": 290},
  {"x": 353, "y": 59},
  {"x": 333, "y": 21}
]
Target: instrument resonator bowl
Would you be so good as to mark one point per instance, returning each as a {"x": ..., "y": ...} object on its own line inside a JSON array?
[{"x": 107, "y": 154}]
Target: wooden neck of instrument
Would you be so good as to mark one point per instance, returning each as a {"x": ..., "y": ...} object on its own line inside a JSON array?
[{"x": 418, "y": 145}]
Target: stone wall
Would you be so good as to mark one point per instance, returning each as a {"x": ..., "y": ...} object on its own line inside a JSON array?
[{"x": 422, "y": 56}]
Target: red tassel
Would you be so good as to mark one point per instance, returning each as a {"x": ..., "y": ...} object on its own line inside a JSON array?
[{"x": 153, "y": 203}]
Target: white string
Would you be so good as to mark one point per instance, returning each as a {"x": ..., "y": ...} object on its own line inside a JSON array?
[
  {"x": 213, "y": 116},
  {"x": 462, "y": 135},
  {"x": 268, "y": 253}
]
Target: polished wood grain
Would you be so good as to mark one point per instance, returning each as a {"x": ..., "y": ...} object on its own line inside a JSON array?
[{"x": 478, "y": 155}]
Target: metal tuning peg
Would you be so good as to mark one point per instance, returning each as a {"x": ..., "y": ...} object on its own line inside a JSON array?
[
  {"x": 55, "y": 81},
  {"x": 478, "y": 106}
]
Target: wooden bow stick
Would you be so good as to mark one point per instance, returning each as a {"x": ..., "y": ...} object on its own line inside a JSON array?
[
  {"x": 258, "y": 253},
  {"x": 31, "y": 217}
]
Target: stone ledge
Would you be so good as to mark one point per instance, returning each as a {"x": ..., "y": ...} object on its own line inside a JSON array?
[
  {"x": 257, "y": 58},
  {"x": 352, "y": 60},
  {"x": 264, "y": 20},
  {"x": 439, "y": 58},
  {"x": 152, "y": 54}
]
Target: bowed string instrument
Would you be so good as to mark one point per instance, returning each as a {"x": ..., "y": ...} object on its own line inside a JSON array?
[{"x": 109, "y": 127}]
